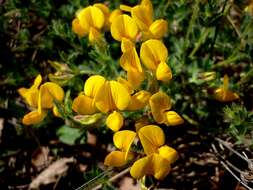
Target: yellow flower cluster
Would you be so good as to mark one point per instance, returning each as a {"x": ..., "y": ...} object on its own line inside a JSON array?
[{"x": 130, "y": 25}]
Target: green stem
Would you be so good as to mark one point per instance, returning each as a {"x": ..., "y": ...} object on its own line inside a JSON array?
[{"x": 201, "y": 40}]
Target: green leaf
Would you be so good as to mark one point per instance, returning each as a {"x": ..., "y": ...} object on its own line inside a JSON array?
[{"x": 69, "y": 135}]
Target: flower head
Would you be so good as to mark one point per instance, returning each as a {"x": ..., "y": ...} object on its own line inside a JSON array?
[
  {"x": 159, "y": 156},
  {"x": 122, "y": 140},
  {"x": 160, "y": 105}
]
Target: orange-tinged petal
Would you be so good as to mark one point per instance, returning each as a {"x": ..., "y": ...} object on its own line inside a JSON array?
[
  {"x": 84, "y": 105},
  {"x": 120, "y": 95},
  {"x": 115, "y": 159},
  {"x": 141, "y": 17},
  {"x": 126, "y": 44},
  {"x": 114, "y": 14},
  {"x": 159, "y": 103},
  {"x": 126, "y": 84},
  {"x": 130, "y": 61},
  {"x": 151, "y": 137},
  {"x": 172, "y": 118},
  {"x": 163, "y": 72},
  {"x": 152, "y": 53},
  {"x": 78, "y": 29},
  {"x": 123, "y": 26},
  {"x": 139, "y": 100},
  {"x": 148, "y": 5},
  {"x": 225, "y": 96},
  {"x": 135, "y": 78},
  {"x": 93, "y": 84},
  {"x": 168, "y": 153},
  {"x": 94, "y": 35},
  {"x": 159, "y": 28},
  {"x": 33, "y": 117},
  {"x": 124, "y": 139},
  {"x": 115, "y": 121}
]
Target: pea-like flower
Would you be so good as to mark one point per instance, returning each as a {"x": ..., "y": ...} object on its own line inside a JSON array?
[
  {"x": 154, "y": 55},
  {"x": 143, "y": 16},
  {"x": 122, "y": 140},
  {"x": 90, "y": 20},
  {"x": 104, "y": 96},
  {"x": 159, "y": 157},
  {"x": 223, "y": 93},
  {"x": 41, "y": 98},
  {"x": 160, "y": 105}
]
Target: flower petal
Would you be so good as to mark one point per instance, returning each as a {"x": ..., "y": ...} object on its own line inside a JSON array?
[
  {"x": 93, "y": 84},
  {"x": 94, "y": 35},
  {"x": 30, "y": 95},
  {"x": 115, "y": 121},
  {"x": 161, "y": 167},
  {"x": 163, "y": 72},
  {"x": 139, "y": 100},
  {"x": 103, "y": 98},
  {"x": 115, "y": 159},
  {"x": 123, "y": 26},
  {"x": 126, "y": 44},
  {"x": 114, "y": 14},
  {"x": 172, "y": 118},
  {"x": 130, "y": 61},
  {"x": 142, "y": 167},
  {"x": 148, "y": 5},
  {"x": 124, "y": 139},
  {"x": 141, "y": 17},
  {"x": 153, "y": 164},
  {"x": 120, "y": 95},
  {"x": 106, "y": 13},
  {"x": 84, "y": 105},
  {"x": 135, "y": 78},
  {"x": 49, "y": 92},
  {"x": 151, "y": 137},
  {"x": 33, "y": 117},
  {"x": 168, "y": 153},
  {"x": 152, "y": 53},
  {"x": 159, "y": 28},
  {"x": 91, "y": 16},
  {"x": 78, "y": 29},
  {"x": 159, "y": 103}
]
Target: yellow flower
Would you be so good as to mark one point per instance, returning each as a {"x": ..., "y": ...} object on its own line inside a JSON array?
[
  {"x": 153, "y": 55},
  {"x": 159, "y": 156},
  {"x": 42, "y": 99},
  {"x": 105, "y": 96},
  {"x": 223, "y": 93},
  {"x": 143, "y": 16},
  {"x": 31, "y": 94},
  {"x": 90, "y": 21},
  {"x": 160, "y": 105},
  {"x": 124, "y": 26},
  {"x": 84, "y": 104},
  {"x": 122, "y": 140}
]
